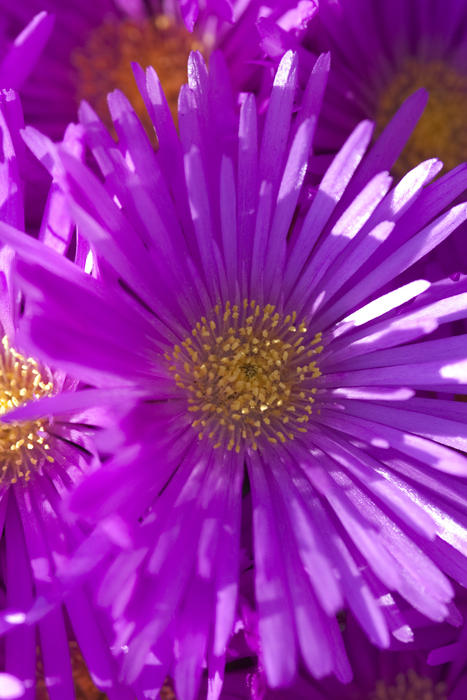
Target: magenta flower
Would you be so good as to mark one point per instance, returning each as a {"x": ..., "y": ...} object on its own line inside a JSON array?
[
  {"x": 381, "y": 54},
  {"x": 41, "y": 462},
  {"x": 93, "y": 44},
  {"x": 265, "y": 356},
  {"x": 378, "y": 674}
]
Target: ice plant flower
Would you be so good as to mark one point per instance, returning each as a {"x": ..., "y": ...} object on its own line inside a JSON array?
[
  {"x": 273, "y": 350},
  {"x": 381, "y": 54},
  {"x": 94, "y": 43},
  {"x": 389, "y": 674},
  {"x": 40, "y": 461}
]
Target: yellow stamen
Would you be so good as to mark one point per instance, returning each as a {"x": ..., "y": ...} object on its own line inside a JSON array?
[
  {"x": 243, "y": 379},
  {"x": 441, "y": 131},
  {"x": 22, "y": 444},
  {"x": 409, "y": 686}
]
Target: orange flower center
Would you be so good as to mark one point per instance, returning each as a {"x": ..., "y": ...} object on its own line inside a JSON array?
[{"x": 104, "y": 63}]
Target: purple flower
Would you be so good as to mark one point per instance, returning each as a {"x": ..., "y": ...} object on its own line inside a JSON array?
[
  {"x": 93, "y": 44},
  {"x": 267, "y": 360},
  {"x": 393, "y": 673},
  {"x": 381, "y": 54},
  {"x": 41, "y": 461}
]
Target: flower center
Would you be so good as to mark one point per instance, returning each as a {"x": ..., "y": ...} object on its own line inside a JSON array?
[
  {"x": 409, "y": 686},
  {"x": 104, "y": 63},
  {"x": 22, "y": 445},
  {"x": 441, "y": 131},
  {"x": 248, "y": 375}
]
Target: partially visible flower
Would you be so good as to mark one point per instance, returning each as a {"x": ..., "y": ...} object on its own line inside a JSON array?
[
  {"x": 266, "y": 359},
  {"x": 40, "y": 463},
  {"x": 94, "y": 43},
  {"x": 381, "y": 54},
  {"x": 389, "y": 674}
]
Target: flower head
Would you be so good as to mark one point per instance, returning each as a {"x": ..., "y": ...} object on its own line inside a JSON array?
[
  {"x": 381, "y": 55},
  {"x": 90, "y": 51},
  {"x": 389, "y": 674},
  {"x": 387, "y": 55},
  {"x": 41, "y": 460},
  {"x": 247, "y": 332}
]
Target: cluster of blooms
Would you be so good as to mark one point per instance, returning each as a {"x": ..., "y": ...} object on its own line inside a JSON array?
[{"x": 233, "y": 360}]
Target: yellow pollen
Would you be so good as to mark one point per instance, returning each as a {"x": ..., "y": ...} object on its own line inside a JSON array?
[
  {"x": 22, "y": 445},
  {"x": 409, "y": 686},
  {"x": 104, "y": 63},
  {"x": 246, "y": 372},
  {"x": 441, "y": 131}
]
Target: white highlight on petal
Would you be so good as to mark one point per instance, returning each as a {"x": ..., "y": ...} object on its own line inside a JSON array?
[
  {"x": 10, "y": 687},
  {"x": 456, "y": 370},
  {"x": 404, "y": 634},
  {"x": 380, "y": 442},
  {"x": 387, "y": 302},
  {"x": 15, "y": 618},
  {"x": 375, "y": 393},
  {"x": 285, "y": 66},
  {"x": 386, "y": 600},
  {"x": 89, "y": 264}
]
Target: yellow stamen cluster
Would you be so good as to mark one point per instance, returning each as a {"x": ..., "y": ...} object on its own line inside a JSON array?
[
  {"x": 22, "y": 445},
  {"x": 248, "y": 375},
  {"x": 409, "y": 686},
  {"x": 104, "y": 63},
  {"x": 441, "y": 131}
]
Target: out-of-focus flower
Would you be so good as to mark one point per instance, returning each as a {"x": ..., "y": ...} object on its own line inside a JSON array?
[
  {"x": 94, "y": 43},
  {"x": 389, "y": 674},
  {"x": 40, "y": 462},
  {"x": 382, "y": 53},
  {"x": 265, "y": 358}
]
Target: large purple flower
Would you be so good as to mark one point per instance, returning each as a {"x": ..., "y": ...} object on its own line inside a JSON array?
[
  {"x": 266, "y": 359},
  {"x": 40, "y": 463}
]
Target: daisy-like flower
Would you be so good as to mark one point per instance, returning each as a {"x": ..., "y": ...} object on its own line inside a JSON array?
[
  {"x": 94, "y": 43},
  {"x": 265, "y": 359},
  {"x": 389, "y": 674},
  {"x": 381, "y": 54},
  {"x": 40, "y": 462}
]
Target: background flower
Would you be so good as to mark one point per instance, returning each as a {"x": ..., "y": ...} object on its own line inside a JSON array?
[
  {"x": 381, "y": 54},
  {"x": 93, "y": 44},
  {"x": 41, "y": 462}
]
